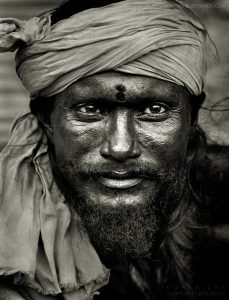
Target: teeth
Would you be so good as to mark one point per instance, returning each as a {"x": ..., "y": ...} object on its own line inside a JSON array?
[{"x": 120, "y": 183}]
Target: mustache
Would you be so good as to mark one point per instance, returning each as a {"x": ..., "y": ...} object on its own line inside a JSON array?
[{"x": 140, "y": 169}]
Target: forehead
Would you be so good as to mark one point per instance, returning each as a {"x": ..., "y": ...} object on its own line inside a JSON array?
[{"x": 116, "y": 86}]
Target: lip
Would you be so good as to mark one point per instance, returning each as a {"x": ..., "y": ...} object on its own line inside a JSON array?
[
  {"x": 120, "y": 183},
  {"x": 119, "y": 174}
]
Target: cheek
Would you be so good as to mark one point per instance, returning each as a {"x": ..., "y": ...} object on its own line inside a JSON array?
[
  {"x": 165, "y": 141},
  {"x": 74, "y": 139}
]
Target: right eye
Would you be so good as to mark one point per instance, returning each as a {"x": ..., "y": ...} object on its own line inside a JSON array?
[{"x": 89, "y": 109}]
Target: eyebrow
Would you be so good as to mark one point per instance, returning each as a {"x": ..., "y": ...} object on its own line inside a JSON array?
[{"x": 133, "y": 102}]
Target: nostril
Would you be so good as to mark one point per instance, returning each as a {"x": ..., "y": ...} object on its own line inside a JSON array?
[
  {"x": 104, "y": 150},
  {"x": 136, "y": 151}
]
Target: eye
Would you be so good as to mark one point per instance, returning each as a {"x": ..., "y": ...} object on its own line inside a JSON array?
[
  {"x": 89, "y": 109},
  {"x": 154, "y": 112},
  {"x": 155, "y": 109}
]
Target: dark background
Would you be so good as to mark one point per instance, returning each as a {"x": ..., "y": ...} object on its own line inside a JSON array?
[{"x": 213, "y": 13}]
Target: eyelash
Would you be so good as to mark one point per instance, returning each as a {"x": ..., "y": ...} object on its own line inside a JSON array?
[
  {"x": 140, "y": 112},
  {"x": 161, "y": 106},
  {"x": 89, "y": 105}
]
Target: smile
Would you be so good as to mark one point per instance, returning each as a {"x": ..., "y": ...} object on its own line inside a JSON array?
[{"x": 120, "y": 183}]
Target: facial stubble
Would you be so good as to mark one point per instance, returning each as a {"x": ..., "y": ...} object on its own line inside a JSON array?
[{"x": 124, "y": 232}]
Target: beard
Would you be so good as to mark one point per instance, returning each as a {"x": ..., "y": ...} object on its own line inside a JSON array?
[
  {"x": 127, "y": 233},
  {"x": 123, "y": 233}
]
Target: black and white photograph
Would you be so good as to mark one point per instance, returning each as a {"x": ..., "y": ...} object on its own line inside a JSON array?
[{"x": 114, "y": 149}]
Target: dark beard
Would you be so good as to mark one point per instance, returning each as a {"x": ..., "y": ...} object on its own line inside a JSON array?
[
  {"x": 127, "y": 233},
  {"x": 124, "y": 233}
]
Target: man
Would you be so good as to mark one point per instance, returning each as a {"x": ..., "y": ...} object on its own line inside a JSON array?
[{"x": 101, "y": 183}]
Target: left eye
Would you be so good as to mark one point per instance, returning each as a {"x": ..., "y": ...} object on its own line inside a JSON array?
[
  {"x": 155, "y": 109},
  {"x": 89, "y": 109}
]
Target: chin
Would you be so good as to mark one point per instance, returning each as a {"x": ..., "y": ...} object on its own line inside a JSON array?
[
  {"x": 117, "y": 199},
  {"x": 122, "y": 226}
]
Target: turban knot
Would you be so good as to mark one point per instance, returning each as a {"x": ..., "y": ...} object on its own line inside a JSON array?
[{"x": 14, "y": 33}]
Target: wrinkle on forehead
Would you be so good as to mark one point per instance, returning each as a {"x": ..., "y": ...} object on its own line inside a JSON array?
[{"x": 114, "y": 86}]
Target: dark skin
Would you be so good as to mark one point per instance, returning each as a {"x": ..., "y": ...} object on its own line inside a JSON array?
[
  {"x": 120, "y": 128},
  {"x": 150, "y": 126}
]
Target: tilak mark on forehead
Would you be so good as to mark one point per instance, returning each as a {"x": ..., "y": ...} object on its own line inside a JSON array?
[{"x": 120, "y": 96}]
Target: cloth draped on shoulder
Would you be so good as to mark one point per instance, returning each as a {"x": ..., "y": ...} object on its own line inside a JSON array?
[{"x": 41, "y": 244}]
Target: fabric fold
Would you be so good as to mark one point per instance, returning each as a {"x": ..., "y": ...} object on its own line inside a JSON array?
[
  {"x": 116, "y": 37},
  {"x": 16, "y": 33},
  {"x": 40, "y": 243}
]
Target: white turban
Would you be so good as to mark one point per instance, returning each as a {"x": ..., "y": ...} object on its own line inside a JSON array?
[{"x": 159, "y": 39}]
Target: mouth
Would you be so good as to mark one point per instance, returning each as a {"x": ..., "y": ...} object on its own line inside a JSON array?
[{"x": 120, "y": 180}]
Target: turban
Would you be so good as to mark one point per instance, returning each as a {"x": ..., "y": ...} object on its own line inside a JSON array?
[
  {"x": 159, "y": 39},
  {"x": 41, "y": 245}
]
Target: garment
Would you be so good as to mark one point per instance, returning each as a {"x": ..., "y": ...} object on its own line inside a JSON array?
[
  {"x": 39, "y": 236},
  {"x": 212, "y": 272},
  {"x": 8, "y": 291}
]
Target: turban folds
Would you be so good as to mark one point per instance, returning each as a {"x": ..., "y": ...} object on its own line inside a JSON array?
[{"x": 154, "y": 38}]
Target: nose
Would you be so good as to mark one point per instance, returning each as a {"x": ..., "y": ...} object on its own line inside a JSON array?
[{"x": 120, "y": 143}]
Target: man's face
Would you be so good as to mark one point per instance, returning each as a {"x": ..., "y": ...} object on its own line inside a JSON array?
[{"x": 120, "y": 140}]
